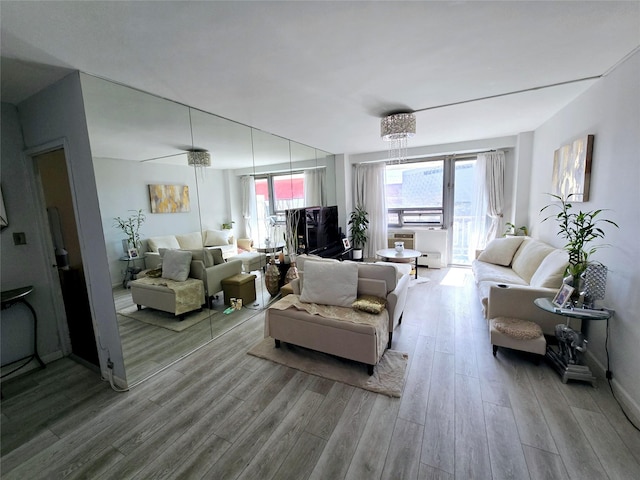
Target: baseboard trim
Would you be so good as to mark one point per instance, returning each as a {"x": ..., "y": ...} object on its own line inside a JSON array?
[{"x": 630, "y": 406}]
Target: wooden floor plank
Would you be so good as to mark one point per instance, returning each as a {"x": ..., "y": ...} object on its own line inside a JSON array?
[
  {"x": 403, "y": 459},
  {"x": 505, "y": 449},
  {"x": 544, "y": 465}
]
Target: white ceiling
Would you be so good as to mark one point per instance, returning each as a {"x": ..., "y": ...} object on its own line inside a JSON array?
[{"x": 324, "y": 73}]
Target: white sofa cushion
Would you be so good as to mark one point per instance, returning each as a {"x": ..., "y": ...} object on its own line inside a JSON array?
[
  {"x": 214, "y": 238},
  {"x": 330, "y": 283},
  {"x": 176, "y": 265},
  {"x": 529, "y": 257},
  {"x": 167, "y": 241},
  {"x": 500, "y": 251},
  {"x": 190, "y": 241},
  {"x": 551, "y": 271}
]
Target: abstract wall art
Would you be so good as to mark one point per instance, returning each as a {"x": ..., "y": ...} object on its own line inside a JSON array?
[
  {"x": 169, "y": 198},
  {"x": 572, "y": 169}
]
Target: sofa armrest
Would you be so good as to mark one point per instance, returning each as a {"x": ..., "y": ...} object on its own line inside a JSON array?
[
  {"x": 516, "y": 301},
  {"x": 295, "y": 285},
  {"x": 213, "y": 276},
  {"x": 396, "y": 301}
]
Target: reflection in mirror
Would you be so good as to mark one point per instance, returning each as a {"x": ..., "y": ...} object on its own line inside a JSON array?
[{"x": 138, "y": 140}]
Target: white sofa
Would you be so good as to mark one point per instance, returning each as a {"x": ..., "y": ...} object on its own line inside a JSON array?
[
  {"x": 512, "y": 272},
  {"x": 222, "y": 239}
]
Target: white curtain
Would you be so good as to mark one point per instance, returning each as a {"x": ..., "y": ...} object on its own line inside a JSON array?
[
  {"x": 369, "y": 193},
  {"x": 489, "y": 199},
  {"x": 314, "y": 187},
  {"x": 249, "y": 205}
]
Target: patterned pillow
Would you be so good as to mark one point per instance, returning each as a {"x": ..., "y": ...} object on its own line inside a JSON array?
[{"x": 370, "y": 304}]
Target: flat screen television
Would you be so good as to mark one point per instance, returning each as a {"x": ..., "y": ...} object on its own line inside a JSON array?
[{"x": 318, "y": 229}]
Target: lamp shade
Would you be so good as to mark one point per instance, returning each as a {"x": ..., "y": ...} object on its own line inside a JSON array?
[
  {"x": 399, "y": 125},
  {"x": 199, "y": 158}
]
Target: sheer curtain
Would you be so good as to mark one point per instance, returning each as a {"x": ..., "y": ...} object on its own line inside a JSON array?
[
  {"x": 489, "y": 199},
  {"x": 249, "y": 205},
  {"x": 314, "y": 191},
  {"x": 369, "y": 192}
]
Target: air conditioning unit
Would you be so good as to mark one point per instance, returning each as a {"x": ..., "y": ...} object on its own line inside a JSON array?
[
  {"x": 430, "y": 260},
  {"x": 407, "y": 237}
]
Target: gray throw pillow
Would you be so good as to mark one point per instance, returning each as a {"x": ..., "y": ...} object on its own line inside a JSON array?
[
  {"x": 176, "y": 265},
  {"x": 216, "y": 253}
]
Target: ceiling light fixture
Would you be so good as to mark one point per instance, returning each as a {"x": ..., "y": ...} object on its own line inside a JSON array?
[
  {"x": 199, "y": 159},
  {"x": 397, "y": 129}
]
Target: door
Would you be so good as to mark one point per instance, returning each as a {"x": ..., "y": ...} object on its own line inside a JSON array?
[{"x": 52, "y": 169}]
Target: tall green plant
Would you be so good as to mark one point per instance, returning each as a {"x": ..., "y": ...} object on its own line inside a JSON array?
[
  {"x": 578, "y": 228},
  {"x": 359, "y": 221},
  {"x": 131, "y": 226}
]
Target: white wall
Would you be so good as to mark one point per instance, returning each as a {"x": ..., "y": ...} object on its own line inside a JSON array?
[
  {"x": 22, "y": 265},
  {"x": 51, "y": 116},
  {"x": 611, "y": 111}
]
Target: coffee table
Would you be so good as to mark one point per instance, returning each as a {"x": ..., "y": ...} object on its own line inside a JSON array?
[{"x": 404, "y": 256}]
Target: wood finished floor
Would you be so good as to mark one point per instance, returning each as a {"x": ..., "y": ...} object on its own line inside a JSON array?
[{"x": 222, "y": 414}]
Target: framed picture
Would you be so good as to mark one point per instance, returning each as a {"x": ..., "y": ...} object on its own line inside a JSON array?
[
  {"x": 133, "y": 253},
  {"x": 561, "y": 298},
  {"x": 169, "y": 198},
  {"x": 346, "y": 243},
  {"x": 572, "y": 169}
]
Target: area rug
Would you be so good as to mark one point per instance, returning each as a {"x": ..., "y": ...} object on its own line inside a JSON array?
[
  {"x": 166, "y": 320},
  {"x": 388, "y": 376}
]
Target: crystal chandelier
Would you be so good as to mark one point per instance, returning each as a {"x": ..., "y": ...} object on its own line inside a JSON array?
[
  {"x": 397, "y": 129},
  {"x": 199, "y": 159}
]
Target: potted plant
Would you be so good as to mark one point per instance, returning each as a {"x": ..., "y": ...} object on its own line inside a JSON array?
[
  {"x": 228, "y": 225},
  {"x": 512, "y": 230},
  {"x": 131, "y": 228},
  {"x": 358, "y": 219},
  {"x": 578, "y": 229}
]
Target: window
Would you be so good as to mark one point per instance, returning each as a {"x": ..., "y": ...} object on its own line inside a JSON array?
[
  {"x": 276, "y": 193},
  {"x": 415, "y": 193}
]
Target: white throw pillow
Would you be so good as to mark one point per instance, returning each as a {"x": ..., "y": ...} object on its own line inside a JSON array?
[
  {"x": 529, "y": 257},
  {"x": 176, "y": 265},
  {"x": 168, "y": 241},
  {"x": 330, "y": 283},
  {"x": 190, "y": 241},
  {"x": 551, "y": 271},
  {"x": 215, "y": 238},
  {"x": 500, "y": 251}
]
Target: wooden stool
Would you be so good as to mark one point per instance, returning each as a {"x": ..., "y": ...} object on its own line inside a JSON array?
[{"x": 239, "y": 286}]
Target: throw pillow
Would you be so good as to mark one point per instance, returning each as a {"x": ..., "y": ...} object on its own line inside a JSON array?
[
  {"x": 190, "y": 241},
  {"x": 330, "y": 283},
  {"x": 156, "y": 243},
  {"x": 370, "y": 304},
  {"x": 529, "y": 258},
  {"x": 216, "y": 253},
  {"x": 202, "y": 255},
  {"x": 500, "y": 251},
  {"x": 551, "y": 271},
  {"x": 213, "y": 238},
  {"x": 176, "y": 265}
]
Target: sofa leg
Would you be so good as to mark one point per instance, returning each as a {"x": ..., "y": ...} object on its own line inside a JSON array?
[
  {"x": 495, "y": 350},
  {"x": 139, "y": 307},
  {"x": 370, "y": 369},
  {"x": 277, "y": 343},
  {"x": 390, "y": 337}
]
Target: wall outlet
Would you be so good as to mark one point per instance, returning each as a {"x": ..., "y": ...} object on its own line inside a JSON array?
[{"x": 19, "y": 238}]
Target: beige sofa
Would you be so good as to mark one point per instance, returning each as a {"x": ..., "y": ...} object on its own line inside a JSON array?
[
  {"x": 331, "y": 328},
  {"x": 512, "y": 272},
  {"x": 222, "y": 239}
]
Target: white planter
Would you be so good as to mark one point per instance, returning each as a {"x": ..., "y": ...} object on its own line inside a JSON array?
[{"x": 357, "y": 254}]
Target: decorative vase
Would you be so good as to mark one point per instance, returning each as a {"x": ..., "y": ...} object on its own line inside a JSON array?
[
  {"x": 272, "y": 278},
  {"x": 292, "y": 273},
  {"x": 399, "y": 246}
]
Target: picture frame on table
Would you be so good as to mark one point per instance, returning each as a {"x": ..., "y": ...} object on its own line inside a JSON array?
[
  {"x": 563, "y": 295},
  {"x": 346, "y": 243},
  {"x": 133, "y": 253}
]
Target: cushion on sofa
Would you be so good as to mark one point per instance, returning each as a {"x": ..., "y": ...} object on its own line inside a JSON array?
[
  {"x": 500, "y": 251},
  {"x": 190, "y": 241},
  {"x": 176, "y": 265},
  {"x": 216, "y": 255},
  {"x": 551, "y": 271},
  {"x": 167, "y": 241},
  {"x": 213, "y": 238},
  {"x": 329, "y": 283},
  {"x": 529, "y": 257}
]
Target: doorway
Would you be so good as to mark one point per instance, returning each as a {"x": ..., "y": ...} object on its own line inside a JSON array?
[{"x": 54, "y": 178}]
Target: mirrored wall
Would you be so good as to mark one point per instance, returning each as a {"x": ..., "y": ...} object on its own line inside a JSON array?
[{"x": 139, "y": 144}]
